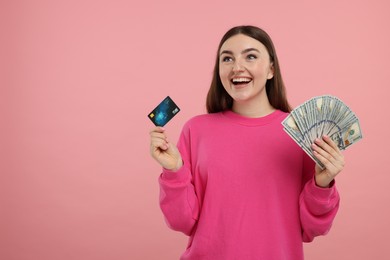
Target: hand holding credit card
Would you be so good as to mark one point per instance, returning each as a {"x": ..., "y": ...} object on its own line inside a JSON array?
[{"x": 164, "y": 112}]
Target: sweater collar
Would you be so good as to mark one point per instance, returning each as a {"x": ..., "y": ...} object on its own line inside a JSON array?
[{"x": 250, "y": 121}]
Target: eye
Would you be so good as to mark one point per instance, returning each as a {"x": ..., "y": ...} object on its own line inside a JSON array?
[
  {"x": 251, "y": 57},
  {"x": 226, "y": 59}
]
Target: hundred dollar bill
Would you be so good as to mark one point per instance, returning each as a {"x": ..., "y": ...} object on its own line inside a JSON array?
[
  {"x": 291, "y": 128},
  {"x": 319, "y": 116},
  {"x": 347, "y": 136}
]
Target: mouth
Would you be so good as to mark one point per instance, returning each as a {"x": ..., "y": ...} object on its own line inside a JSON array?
[{"x": 240, "y": 81}]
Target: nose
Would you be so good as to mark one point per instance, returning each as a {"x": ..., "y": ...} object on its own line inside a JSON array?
[{"x": 237, "y": 66}]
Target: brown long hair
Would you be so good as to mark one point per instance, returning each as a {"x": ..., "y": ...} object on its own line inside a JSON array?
[{"x": 219, "y": 100}]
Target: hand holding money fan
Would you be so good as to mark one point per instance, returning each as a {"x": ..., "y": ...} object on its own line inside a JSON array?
[{"x": 323, "y": 115}]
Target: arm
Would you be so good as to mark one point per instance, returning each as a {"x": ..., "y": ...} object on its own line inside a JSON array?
[
  {"x": 318, "y": 208},
  {"x": 319, "y": 199},
  {"x": 178, "y": 200}
]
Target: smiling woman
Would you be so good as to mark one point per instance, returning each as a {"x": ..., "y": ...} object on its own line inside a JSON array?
[
  {"x": 236, "y": 184},
  {"x": 78, "y": 77},
  {"x": 244, "y": 69},
  {"x": 257, "y": 49}
]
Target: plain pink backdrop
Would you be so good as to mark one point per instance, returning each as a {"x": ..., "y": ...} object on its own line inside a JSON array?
[{"x": 79, "y": 77}]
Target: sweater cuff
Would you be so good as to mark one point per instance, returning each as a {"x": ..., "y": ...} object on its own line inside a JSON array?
[
  {"x": 180, "y": 176},
  {"x": 319, "y": 193}
]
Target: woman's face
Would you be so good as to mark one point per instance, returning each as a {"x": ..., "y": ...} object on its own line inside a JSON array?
[{"x": 244, "y": 68}]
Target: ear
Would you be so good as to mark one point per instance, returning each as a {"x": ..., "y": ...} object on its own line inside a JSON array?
[{"x": 271, "y": 71}]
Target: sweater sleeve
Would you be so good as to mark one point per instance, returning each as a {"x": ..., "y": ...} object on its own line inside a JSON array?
[
  {"x": 318, "y": 206},
  {"x": 178, "y": 200}
]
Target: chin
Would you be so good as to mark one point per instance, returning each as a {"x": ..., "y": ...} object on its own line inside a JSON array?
[{"x": 241, "y": 99}]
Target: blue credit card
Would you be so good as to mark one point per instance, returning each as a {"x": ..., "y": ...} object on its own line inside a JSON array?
[{"x": 164, "y": 112}]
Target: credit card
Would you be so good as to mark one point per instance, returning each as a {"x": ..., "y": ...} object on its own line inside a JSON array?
[{"x": 164, "y": 112}]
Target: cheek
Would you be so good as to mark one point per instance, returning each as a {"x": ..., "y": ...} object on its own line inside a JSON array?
[
  {"x": 261, "y": 72},
  {"x": 224, "y": 74},
  {"x": 222, "y": 71}
]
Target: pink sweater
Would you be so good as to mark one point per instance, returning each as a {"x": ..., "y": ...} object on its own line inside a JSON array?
[{"x": 246, "y": 190}]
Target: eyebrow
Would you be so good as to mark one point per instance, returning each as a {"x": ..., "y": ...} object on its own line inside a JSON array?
[{"x": 243, "y": 52}]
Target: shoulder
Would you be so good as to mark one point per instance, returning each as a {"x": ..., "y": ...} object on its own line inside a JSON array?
[
  {"x": 202, "y": 124},
  {"x": 203, "y": 120},
  {"x": 282, "y": 115}
]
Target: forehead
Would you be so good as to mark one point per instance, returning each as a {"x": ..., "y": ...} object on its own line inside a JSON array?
[{"x": 240, "y": 42}]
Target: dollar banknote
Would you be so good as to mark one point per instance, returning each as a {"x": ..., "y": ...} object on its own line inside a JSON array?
[{"x": 319, "y": 116}]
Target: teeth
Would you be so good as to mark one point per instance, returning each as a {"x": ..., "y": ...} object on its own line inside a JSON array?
[{"x": 240, "y": 80}]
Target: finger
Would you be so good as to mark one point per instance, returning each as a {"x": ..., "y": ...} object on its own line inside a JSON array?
[
  {"x": 326, "y": 153},
  {"x": 334, "y": 164},
  {"x": 158, "y": 150},
  {"x": 158, "y": 140},
  {"x": 157, "y": 129},
  {"x": 331, "y": 143},
  {"x": 330, "y": 147},
  {"x": 158, "y": 135},
  {"x": 326, "y": 147},
  {"x": 158, "y": 132},
  {"x": 323, "y": 156},
  {"x": 329, "y": 164}
]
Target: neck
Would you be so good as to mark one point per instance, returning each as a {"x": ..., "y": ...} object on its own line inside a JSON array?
[{"x": 253, "y": 109}]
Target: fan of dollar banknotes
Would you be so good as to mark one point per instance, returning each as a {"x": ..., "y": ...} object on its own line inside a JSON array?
[{"x": 322, "y": 115}]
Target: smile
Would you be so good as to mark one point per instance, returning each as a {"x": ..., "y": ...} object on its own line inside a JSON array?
[{"x": 240, "y": 81}]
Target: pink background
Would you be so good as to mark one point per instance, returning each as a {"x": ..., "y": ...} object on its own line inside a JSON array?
[{"x": 79, "y": 77}]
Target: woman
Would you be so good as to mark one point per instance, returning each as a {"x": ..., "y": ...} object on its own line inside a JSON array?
[{"x": 236, "y": 183}]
